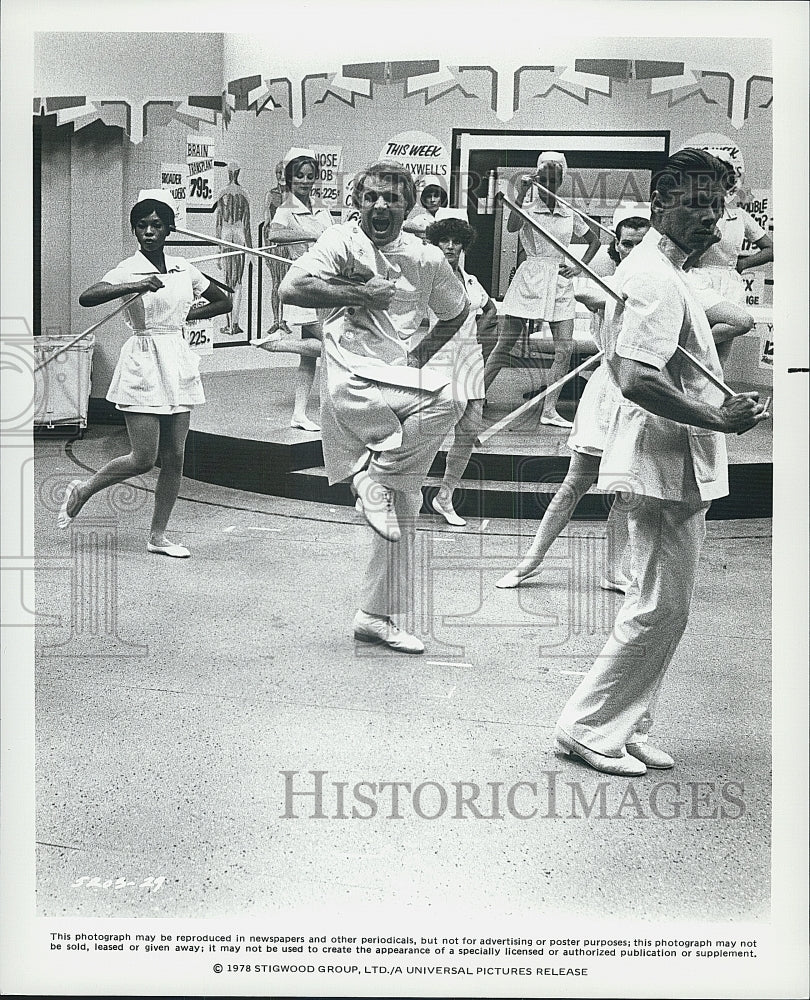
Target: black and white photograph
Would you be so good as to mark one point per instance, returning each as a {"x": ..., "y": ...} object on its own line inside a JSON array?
[{"x": 416, "y": 605}]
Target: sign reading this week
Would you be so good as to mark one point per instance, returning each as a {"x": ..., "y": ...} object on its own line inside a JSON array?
[{"x": 421, "y": 153}]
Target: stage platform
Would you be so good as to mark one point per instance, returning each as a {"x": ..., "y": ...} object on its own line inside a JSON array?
[{"x": 242, "y": 439}]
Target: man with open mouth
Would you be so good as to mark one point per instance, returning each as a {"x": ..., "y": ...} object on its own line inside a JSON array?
[{"x": 383, "y": 415}]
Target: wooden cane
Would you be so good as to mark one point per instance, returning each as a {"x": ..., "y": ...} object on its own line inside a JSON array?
[
  {"x": 231, "y": 246},
  {"x": 233, "y": 253},
  {"x": 504, "y": 422},
  {"x": 88, "y": 331},
  {"x": 568, "y": 204}
]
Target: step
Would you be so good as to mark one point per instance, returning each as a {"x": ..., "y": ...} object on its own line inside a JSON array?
[
  {"x": 524, "y": 498},
  {"x": 474, "y": 498}
]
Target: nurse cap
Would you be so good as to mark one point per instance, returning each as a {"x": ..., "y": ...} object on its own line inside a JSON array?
[
  {"x": 431, "y": 180},
  {"x": 157, "y": 194},
  {"x": 297, "y": 153},
  {"x": 552, "y": 157},
  {"x": 628, "y": 210}
]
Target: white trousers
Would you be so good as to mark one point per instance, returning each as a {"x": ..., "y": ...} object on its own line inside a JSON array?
[
  {"x": 614, "y": 704},
  {"x": 426, "y": 420}
]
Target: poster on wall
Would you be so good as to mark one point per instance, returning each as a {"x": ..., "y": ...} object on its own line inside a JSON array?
[
  {"x": 174, "y": 179},
  {"x": 346, "y": 203},
  {"x": 327, "y": 187},
  {"x": 421, "y": 153},
  {"x": 204, "y": 173},
  {"x": 758, "y": 282},
  {"x": 766, "y": 345},
  {"x": 759, "y": 205},
  {"x": 199, "y": 333}
]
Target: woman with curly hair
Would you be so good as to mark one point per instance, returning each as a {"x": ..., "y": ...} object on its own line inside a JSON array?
[{"x": 452, "y": 234}]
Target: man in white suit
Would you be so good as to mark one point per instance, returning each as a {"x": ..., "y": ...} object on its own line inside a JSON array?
[{"x": 667, "y": 438}]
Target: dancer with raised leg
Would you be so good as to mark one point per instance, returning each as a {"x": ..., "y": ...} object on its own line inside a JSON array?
[
  {"x": 157, "y": 379},
  {"x": 587, "y": 439},
  {"x": 463, "y": 355},
  {"x": 384, "y": 415},
  {"x": 298, "y": 223}
]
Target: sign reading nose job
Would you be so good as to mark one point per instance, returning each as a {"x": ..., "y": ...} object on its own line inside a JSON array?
[{"x": 330, "y": 166}]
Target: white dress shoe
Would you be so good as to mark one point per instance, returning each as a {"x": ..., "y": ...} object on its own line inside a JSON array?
[
  {"x": 63, "y": 519},
  {"x": 376, "y": 504},
  {"x": 268, "y": 340},
  {"x": 448, "y": 512},
  {"x": 625, "y": 766},
  {"x": 555, "y": 420},
  {"x": 514, "y": 579},
  {"x": 169, "y": 549},
  {"x": 371, "y": 628},
  {"x": 651, "y": 755},
  {"x": 304, "y": 424},
  {"x": 620, "y": 585}
]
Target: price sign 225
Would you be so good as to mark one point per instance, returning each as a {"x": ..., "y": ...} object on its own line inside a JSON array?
[{"x": 199, "y": 187}]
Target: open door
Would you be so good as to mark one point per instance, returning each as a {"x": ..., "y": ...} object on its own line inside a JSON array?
[{"x": 604, "y": 169}]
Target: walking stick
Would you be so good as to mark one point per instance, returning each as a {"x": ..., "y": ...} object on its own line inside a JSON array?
[
  {"x": 504, "y": 422},
  {"x": 231, "y": 246},
  {"x": 233, "y": 253},
  {"x": 88, "y": 331}
]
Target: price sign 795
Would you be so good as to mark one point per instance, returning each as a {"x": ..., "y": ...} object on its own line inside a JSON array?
[{"x": 200, "y": 188}]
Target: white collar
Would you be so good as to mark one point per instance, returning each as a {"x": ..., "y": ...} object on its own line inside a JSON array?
[{"x": 673, "y": 253}]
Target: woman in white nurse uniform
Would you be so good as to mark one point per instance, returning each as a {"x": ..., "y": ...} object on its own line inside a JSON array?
[
  {"x": 299, "y": 222},
  {"x": 461, "y": 355},
  {"x": 542, "y": 288},
  {"x": 157, "y": 379},
  {"x": 720, "y": 268}
]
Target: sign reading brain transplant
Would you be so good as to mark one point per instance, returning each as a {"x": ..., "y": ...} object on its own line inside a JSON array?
[{"x": 205, "y": 176}]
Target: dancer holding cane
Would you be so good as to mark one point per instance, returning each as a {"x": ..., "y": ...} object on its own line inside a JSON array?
[
  {"x": 666, "y": 438},
  {"x": 384, "y": 412},
  {"x": 299, "y": 222},
  {"x": 156, "y": 380},
  {"x": 542, "y": 288},
  {"x": 587, "y": 440},
  {"x": 463, "y": 355}
]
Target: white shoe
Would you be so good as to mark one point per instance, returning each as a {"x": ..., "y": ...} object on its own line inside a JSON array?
[
  {"x": 626, "y": 766},
  {"x": 619, "y": 585},
  {"x": 371, "y": 628},
  {"x": 514, "y": 579},
  {"x": 63, "y": 519},
  {"x": 169, "y": 549},
  {"x": 556, "y": 420},
  {"x": 651, "y": 756},
  {"x": 448, "y": 512},
  {"x": 305, "y": 424},
  {"x": 376, "y": 504},
  {"x": 267, "y": 340}
]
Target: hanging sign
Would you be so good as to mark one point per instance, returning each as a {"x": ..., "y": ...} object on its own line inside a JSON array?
[
  {"x": 203, "y": 174},
  {"x": 174, "y": 179}
]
